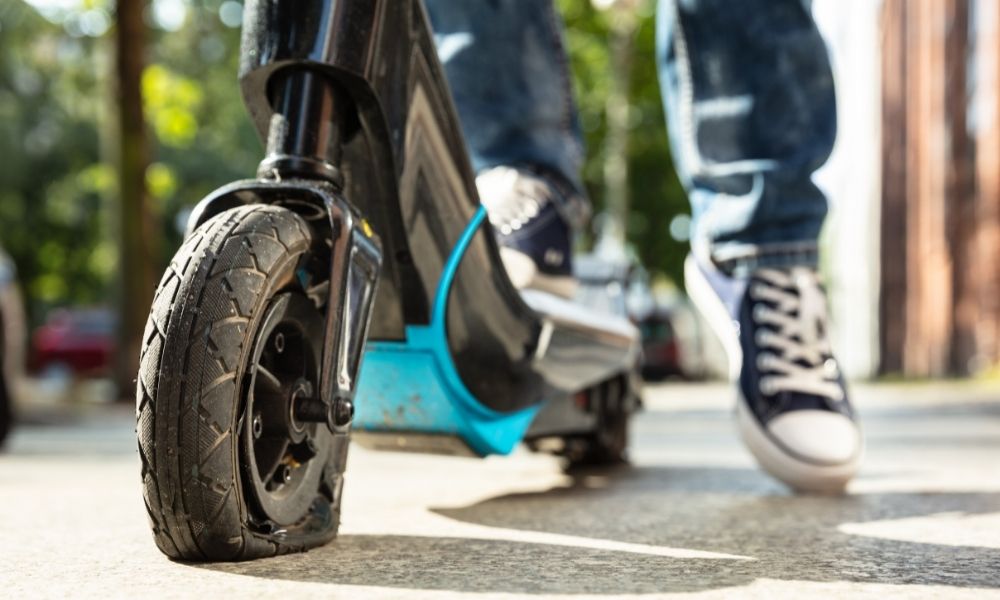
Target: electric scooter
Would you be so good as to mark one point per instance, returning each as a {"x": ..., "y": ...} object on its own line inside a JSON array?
[{"x": 354, "y": 285}]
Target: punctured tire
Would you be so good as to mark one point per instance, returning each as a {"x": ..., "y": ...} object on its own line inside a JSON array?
[{"x": 190, "y": 392}]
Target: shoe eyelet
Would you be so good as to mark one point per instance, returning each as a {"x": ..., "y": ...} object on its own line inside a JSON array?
[
  {"x": 830, "y": 368},
  {"x": 764, "y": 362},
  {"x": 762, "y": 338},
  {"x": 759, "y": 313}
]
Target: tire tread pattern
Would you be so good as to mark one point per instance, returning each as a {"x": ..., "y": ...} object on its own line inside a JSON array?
[{"x": 188, "y": 384}]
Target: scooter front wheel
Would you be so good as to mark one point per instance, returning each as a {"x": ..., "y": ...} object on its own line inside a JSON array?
[{"x": 233, "y": 345}]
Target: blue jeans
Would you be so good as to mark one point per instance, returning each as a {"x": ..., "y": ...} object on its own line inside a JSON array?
[{"x": 750, "y": 104}]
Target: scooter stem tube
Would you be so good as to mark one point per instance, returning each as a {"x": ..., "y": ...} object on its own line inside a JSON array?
[{"x": 304, "y": 137}]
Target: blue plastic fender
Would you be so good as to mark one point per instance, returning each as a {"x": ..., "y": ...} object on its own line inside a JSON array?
[{"x": 413, "y": 386}]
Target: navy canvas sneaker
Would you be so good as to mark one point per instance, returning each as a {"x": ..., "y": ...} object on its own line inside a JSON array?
[
  {"x": 535, "y": 240},
  {"x": 793, "y": 411}
]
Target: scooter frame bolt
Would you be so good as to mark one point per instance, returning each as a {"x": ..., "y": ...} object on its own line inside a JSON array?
[
  {"x": 283, "y": 474},
  {"x": 343, "y": 412},
  {"x": 257, "y": 426}
]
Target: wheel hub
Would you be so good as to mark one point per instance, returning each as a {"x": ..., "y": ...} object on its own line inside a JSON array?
[{"x": 283, "y": 453}]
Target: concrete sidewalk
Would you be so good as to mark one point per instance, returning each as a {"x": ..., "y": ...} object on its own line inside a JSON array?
[{"x": 692, "y": 515}]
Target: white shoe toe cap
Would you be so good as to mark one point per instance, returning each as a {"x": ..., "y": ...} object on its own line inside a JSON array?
[{"x": 818, "y": 436}]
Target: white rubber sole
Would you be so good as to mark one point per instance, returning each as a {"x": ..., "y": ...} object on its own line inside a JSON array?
[
  {"x": 800, "y": 475},
  {"x": 714, "y": 311}
]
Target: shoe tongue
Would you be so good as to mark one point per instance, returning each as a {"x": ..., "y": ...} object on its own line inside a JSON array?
[{"x": 812, "y": 307}]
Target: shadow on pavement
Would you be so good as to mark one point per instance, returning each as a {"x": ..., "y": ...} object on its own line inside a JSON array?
[{"x": 730, "y": 511}]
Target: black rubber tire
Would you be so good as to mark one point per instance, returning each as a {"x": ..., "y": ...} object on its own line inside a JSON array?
[
  {"x": 607, "y": 445},
  {"x": 201, "y": 328}
]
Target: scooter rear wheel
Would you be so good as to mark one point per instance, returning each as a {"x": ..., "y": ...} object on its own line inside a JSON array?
[
  {"x": 608, "y": 443},
  {"x": 233, "y": 341}
]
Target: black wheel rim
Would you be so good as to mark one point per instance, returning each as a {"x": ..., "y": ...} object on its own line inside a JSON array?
[{"x": 284, "y": 458}]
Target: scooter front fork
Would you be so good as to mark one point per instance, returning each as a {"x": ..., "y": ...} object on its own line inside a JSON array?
[
  {"x": 356, "y": 260},
  {"x": 301, "y": 170}
]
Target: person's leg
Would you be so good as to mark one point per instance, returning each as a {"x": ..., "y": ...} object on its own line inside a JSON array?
[
  {"x": 751, "y": 109},
  {"x": 750, "y": 98},
  {"x": 509, "y": 76}
]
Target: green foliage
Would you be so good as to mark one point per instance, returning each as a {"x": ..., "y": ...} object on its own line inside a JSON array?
[
  {"x": 170, "y": 102},
  {"x": 57, "y": 181},
  {"x": 203, "y": 136},
  {"x": 656, "y": 195},
  {"x": 53, "y": 188}
]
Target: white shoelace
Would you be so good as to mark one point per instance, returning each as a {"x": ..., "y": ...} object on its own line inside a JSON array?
[
  {"x": 799, "y": 324},
  {"x": 512, "y": 197}
]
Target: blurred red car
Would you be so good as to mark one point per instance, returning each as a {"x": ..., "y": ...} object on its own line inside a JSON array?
[
  {"x": 79, "y": 340},
  {"x": 660, "y": 347}
]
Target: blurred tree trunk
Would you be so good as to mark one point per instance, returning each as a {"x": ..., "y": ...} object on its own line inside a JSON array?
[
  {"x": 960, "y": 224},
  {"x": 939, "y": 248},
  {"x": 984, "y": 246},
  {"x": 929, "y": 292},
  {"x": 892, "y": 299},
  {"x": 135, "y": 224}
]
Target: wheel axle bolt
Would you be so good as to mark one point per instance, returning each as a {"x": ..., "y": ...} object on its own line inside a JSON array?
[
  {"x": 313, "y": 410},
  {"x": 257, "y": 426},
  {"x": 343, "y": 412},
  {"x": 283, "y": 474},
  {"x": 310, "y": 410}
]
